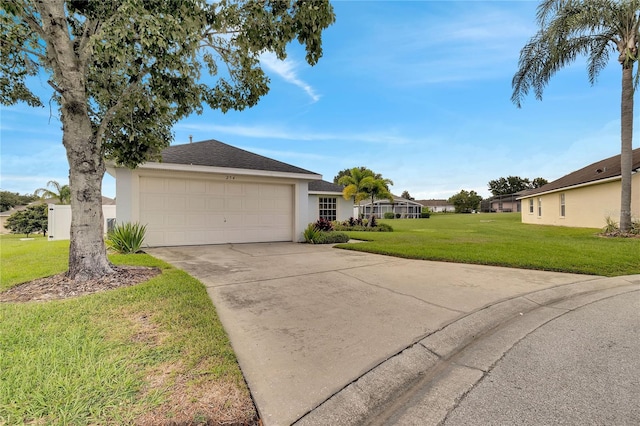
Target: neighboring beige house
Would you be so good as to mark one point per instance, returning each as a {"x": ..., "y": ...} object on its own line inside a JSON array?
[
  {"x": 584, "y": 198},
  {"x": 438, "y": 206}
]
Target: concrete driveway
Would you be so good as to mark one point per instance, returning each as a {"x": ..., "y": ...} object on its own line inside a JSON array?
[{"x": 306, "y": 320}]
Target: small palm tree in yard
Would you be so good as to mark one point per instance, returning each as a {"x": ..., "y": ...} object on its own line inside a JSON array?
[
  {"x": 594, "y": 28},
  {"x": 61, "y": 192},
  {"x": 376, "y": 188},
  {"x": 353, "y": 184}
]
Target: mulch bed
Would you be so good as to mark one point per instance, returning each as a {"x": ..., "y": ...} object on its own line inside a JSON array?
[{"x": 61, "y": 287}]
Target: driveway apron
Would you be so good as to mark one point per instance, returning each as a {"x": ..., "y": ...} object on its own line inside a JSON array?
[{"x": 307, "y": 320}]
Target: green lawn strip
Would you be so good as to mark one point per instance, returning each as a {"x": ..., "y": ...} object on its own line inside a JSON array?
[
  {"x": 502, "y": 240},
  {"x": 36, "y": 258},
  {"x": 111, "y": 357}
]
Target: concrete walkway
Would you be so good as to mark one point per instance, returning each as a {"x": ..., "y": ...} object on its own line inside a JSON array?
[{"x": 328, "y": 336}]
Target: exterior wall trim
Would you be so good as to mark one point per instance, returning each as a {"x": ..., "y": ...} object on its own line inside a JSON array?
[{"x": 581, "y": 185}]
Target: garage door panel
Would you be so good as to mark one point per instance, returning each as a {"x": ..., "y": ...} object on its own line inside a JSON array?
[
  {"x": 197, "y": 203},
  {"x": 196, "y": 187},
  {"x": 197, "y": 220},
  {"x": 234, "y": 189},
  {"x": 176, "y": 186},
  {"x": 153, "y": 220},
  {"x": 191, "y": 211},
  {"x": 214, "y": 204},
  {"x": 233, "y": 204},
  {"x": 177, "y": 203}
]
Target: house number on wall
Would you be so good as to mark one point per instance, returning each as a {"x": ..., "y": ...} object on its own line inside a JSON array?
[{"x": 230, "y": 177}]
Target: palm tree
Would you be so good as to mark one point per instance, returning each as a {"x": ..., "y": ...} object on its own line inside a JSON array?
[
  {"x": 61, "y": 192},
  {"x": 353, "y": 187},
  {"x": 377, "y": 187},
  {"x": 595, "y": 28}
]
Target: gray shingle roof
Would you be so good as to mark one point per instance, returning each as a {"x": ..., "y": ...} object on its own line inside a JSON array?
[
  {"x": 217, "y": 154},
  {"x": 600, "y": 170},
  {"x": 324, "y": 186}
]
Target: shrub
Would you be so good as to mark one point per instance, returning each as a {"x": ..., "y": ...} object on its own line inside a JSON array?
[
  {"x": 310, "y": 233},
  {"x": 383, "y": 227},
  {"x": 126, "y": 238},
  {"x": 372, "y": 221},
  {"x": 611, "y": 226},
  {"x": 353, "y": 222},
  {"x": 324, "y": 225},
  {"x": 28, "y": 221},
  {"x": 331, "y": 238},
  {"x": 398, "y": 215},
  {"x": 390, "y": 215},
  {"x": 425, "y": 215}
]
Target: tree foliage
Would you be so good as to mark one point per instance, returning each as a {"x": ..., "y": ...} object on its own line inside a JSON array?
[
  {"x": 124, "y": 72},
  {"x": 28, "y": 221},
  {"x": 405, "y": 194},
  {"x": 513, "y": 184},
  {"x": 596, "y": 29},
  {"x": 348, "y": 172},
  {"x": 9, "y": 200},
  {"x": 465, "y": 201},
  {"x": 60, "y": 192},
  {"x": 352, "y": 180}
]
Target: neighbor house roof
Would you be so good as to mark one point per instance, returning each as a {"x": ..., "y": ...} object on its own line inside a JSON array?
[
  {"x": 217, "y": 154},
  {"x": 396, "y": 200},
  {"x": 608, "y": 168},
  {"x": 324, "y": 186},
  {"x": 434, "y": 203}
]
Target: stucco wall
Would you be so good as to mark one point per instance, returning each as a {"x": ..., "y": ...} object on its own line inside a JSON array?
[
  {"x": 585, "y": 207},
  {"x": 344, "y": 207}
]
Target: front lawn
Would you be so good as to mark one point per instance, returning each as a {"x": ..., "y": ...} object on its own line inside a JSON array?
[
  {"x": 153, "y": 353},
  {"x": 501, "y": 239}
]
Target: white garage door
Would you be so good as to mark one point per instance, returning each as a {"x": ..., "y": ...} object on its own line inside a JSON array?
[{"x": 191, "y": 211}]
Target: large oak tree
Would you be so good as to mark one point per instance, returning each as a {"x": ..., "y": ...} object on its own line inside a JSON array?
[
  {"x": 123, "y": 72},
  {"x": 595, "y": 29}
]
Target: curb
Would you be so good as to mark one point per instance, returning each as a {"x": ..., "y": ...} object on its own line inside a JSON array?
[{"x": 447, "y": 363}]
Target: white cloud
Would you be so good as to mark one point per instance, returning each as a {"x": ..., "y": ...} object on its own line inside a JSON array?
[
  {"x": 276, "y": 132},
  {"x": 286, "y": 69}
]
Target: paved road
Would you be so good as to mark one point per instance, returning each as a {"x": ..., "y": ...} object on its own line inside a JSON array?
[
  {"x": 581, "y": 368},
  {"x": 327, "y": 336}
]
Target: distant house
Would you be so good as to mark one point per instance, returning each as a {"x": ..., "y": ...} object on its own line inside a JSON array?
[
  {"x": 584, "y": 198},
  {"x": 326, "y": 202},
  {"x": 407, "y": 209},
  {"x": 501, "y": 203},
  {"x": 438, "y": 206},
  {"x": 5, "y": 215}
]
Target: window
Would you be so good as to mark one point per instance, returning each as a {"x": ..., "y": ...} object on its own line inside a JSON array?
[
  {"x": 531, "y": 205},
  {"x": 540, "y": 207},
  {"x": 562, "y": 206},
  {"x": 328, "y": 208}
]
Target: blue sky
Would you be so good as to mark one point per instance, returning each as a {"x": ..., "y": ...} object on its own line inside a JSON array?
[{"x": 418, "y": 91}]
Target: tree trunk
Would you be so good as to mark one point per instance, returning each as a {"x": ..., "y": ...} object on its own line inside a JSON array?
[
  {"x": 626, "y": 151},
  {"x": 87, "y": 253}
]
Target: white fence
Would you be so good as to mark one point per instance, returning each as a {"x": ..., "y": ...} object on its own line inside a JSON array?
[{"x": 60, "y": 220}]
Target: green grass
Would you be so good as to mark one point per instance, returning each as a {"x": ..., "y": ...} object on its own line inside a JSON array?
[
  {"x": 501, "y": 239},
  {"x": 110, "y": 357},
  {"x": 18, "y": 263}
]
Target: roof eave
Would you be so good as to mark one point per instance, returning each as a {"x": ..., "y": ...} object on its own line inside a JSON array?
[
  {"x": 565, "y": 188},
  {"x": 228, "y": 171}
]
